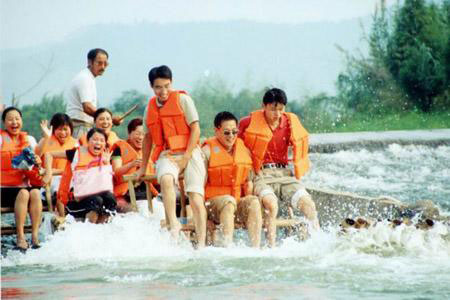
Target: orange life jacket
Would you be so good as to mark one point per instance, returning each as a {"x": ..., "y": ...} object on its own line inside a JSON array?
[
  {"x": 55, "y": 146},
  {"x": 10, "y": 176},
  {"x": 112, "y": 139},
  {"x": 258, "y": 135},
  {"x": 128, "y": 154},
  {"x": 227, "y": 173},
  {"x": 167, "y": 125},
  {"x": 85, "y": 160}
]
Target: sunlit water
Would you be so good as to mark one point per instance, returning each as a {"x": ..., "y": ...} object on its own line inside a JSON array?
[{"x": 132, "y": 258}]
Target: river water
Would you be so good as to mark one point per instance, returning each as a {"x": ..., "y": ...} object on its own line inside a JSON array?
[{"x": 132, "y": 258}]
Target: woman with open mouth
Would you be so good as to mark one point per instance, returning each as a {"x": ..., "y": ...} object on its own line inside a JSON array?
[
  {"x": 15, "y": 183},
  {"x": 103, "y": 118},
  {"x": 126, "y": 159},
  {"x": 90, "y": 174},
  {"x": 57, "y": 138}
]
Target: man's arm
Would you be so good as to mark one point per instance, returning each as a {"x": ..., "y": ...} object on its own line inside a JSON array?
[
  {"x": 193, "y": 141},
  {"x": 89, "y": 108},
  {"x": 146, "y": 150}
]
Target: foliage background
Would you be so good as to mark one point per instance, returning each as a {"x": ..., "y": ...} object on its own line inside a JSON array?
[{"x": 403, "y": 83}]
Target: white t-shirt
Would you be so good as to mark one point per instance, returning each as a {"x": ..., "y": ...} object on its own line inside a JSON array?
[{"x": 82, "y": 89}]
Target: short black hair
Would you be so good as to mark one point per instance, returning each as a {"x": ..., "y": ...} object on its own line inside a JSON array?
[
  {"x": 134, "y": 124},
  {"x": 98, "y": 130},
  {"x": 159, "y": 72},
  {"x": 11, "y": 108},
  {"x": 60, "y": 119},
  {"x": 223, "y": 116},
  {"x": 92, "y": 54},
  {"x": 101, "y": 110},
  {"x": 275, "y": 95}
]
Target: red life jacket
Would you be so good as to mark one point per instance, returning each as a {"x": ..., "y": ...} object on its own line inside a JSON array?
[
  {"x": 167, "y": 125},
  {"x": 55, "y": 146},
  {"x": 258, "y": 135},
  {"x": 9, "y": 149},
  {"x": 128, "y": 154},
  {"x": 227, "y": 173}
]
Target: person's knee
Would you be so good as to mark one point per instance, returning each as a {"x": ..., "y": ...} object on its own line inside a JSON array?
[
  {"x": 270, "y": 204},
  {"x": 307, "y": 204},
  {"x": 228, "y": 210},
  {"x": 35, "y": 195},
  {"x": 167, "y": 181},
  {"x": 197, "y": 202},
  {"x": 254, "y": 207},
  {"x": 23, "y": 195}
]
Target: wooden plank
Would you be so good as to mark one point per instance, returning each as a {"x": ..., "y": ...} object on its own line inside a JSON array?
[
  {"x": 11, "y": 229},
  {"x": 131, "y": 178},
  {"x": 127, "y": 113},
  {"x": 132, "y": 195},
  {"x": 48, "y": 197},
  {"x": 149, "y": 197}
]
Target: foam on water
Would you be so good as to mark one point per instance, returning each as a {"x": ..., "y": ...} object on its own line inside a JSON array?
[
  {"x": 132, "y": 248},
  {"x": 133, "y": 237},
  {"x": 408, "y": 173}
]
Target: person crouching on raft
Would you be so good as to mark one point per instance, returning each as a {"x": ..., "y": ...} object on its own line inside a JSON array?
[
  {"x": 92, "y": 189},
  {"x": 228, "y": 189},
  {"x": 126, "y": 160},
  {"x": 103, "y": 118},
  {"x": 269, "y": 133},
  {"x": 14, "y": 183},
  {"x": 55, "y": 139},
  {"x": 172, "y": 125}
]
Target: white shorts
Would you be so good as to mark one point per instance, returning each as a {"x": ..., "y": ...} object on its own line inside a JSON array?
[{"x": 194, "y": 173}]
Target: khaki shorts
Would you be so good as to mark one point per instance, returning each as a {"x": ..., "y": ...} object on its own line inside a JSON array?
[
  {"x": 80, "y": 128},
  {"x": 215, "y": 205},
  {"x": 281, "y": 183},
  {"x": 194, "y": 173}
]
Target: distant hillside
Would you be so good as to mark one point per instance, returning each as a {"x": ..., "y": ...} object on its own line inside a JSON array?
[{"x": 300, "y": 58}]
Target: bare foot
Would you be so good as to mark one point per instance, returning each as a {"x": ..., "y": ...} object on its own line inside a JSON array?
[
  {"x": 175, "y": 230},
  {"x": 35, "y": 242},
  {"x": 22, "y": 244}
]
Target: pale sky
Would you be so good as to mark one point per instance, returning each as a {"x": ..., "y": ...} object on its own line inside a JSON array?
[{"x": 25, "y": 23}]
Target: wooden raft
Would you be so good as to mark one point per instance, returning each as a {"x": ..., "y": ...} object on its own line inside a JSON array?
[
  {"x": 289, "y": 223},
  {"x": 8, "y": 229}
]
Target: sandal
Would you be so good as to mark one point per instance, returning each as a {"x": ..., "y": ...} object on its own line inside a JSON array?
[
  {"x": 35, "y": 246},
  {"x": 21, "y": 246}
]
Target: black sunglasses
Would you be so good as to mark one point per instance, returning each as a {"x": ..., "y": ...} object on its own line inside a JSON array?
[{"x": 233, "y": 132}]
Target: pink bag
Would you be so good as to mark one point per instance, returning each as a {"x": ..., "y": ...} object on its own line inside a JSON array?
[{"x": 94, "y": 180}]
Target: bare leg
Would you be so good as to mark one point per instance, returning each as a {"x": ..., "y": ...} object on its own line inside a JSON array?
[
  {"x": 199, "y": 213},
  {"x": 169, "y": 199},
  {"x": 92, "y": 216},
  {"x": 20, "y": 211},
  {"x": 270, "y": 205},
  {"x": 60, "y": 209},
  {"x": 35, "y": 214},
  {"x": 227, "y": 223},
  {"x": 254, "y": 223},
  {"x": 308, "y": 207}
]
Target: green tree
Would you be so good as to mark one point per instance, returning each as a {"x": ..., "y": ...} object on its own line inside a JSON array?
[
  {"x": 416, "y": 51},
  {"x": 212, "y": 95},
  {"x": 123, "y": 103},
  {"x": 43, "y": 110}
]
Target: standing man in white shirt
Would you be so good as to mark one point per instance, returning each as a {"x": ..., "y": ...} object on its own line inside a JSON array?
[{"x": 82, "y": 96}]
